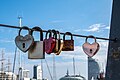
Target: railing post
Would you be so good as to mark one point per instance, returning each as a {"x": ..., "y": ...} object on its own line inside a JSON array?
[{"x": 113, "y": 58}]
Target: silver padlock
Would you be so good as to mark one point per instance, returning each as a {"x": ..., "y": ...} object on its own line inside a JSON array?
[
  {"x": 37, "y": 49},
  {"x": 24, "y": 42}
]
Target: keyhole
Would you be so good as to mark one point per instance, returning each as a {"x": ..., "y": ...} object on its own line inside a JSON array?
[
  {"x": 23, "y": 45},
  {"x": 90, "y": 50}
]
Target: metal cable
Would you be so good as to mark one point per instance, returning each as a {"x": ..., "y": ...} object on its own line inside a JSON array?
[
  {"x": 17, "y": 27},
  {"x": 49, "y": 70}
]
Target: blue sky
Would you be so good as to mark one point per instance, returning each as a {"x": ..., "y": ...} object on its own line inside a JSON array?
[{"x": 77, "y": 16}]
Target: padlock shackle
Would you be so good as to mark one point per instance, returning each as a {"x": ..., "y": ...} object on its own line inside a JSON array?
[
  {"x": 24, "y": 27},
  {"x": 54, "y": 33},
  {"x": 68, "y": 33},
  {"x": 57, "y": 32},
  {"x": 36, "y": 28},
  {"x": 90, "y": 36},
  {"x": 50, "y": 33}
]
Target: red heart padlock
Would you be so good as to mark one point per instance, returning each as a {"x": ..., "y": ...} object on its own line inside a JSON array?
[
  {"x": 90, "y": 49},
  {"x": 49, "y": 43}
]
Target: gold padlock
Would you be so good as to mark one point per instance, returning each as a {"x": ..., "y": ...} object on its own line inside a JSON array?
[{"x": 59, "y": 43}]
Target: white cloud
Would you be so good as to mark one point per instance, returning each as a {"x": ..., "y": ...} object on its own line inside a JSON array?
[
  {"x": 57, "y": 21},
  {"x": 108, "y": 27},
  {"x": 96, "y": 28}
]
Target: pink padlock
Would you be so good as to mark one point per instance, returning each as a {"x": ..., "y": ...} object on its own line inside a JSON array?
[
  {"x": 49, "y": 43},
  {"x": 90, "y": 49}
]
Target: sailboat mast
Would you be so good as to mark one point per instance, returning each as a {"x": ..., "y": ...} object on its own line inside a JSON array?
[
  {"x": 74, "y": 65},
  {"x": 20, "y": 24},
  {"x": 42, "y": 68},
  {"x": 2, "y": 61},
  {"x": 9, "y": 64},
  {"x": 54, "y": 68},
  {"x": 20, "y": 58},
  {"x": 20, "y": 21}
]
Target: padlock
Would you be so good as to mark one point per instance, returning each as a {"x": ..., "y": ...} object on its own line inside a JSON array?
[
  {"x": 56, "y": 44},
  {"x": 49, "y": 42},
  {"x": 90, "y": 49},
  {"x": 24, "y": 42},
  {"x": 59, "y": 43},
  {"x": 68, "y": 44},
  {"x": 36, "y": 51}
]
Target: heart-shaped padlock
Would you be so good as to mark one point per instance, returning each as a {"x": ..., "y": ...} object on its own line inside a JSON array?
[
  {"x": 69, "y": 43},
  {"x": 36, "y": 51},
  {"x": 90, "y": 49},
  {"x": 49, "y": 43},
  {"x": 24, "y": 42}
]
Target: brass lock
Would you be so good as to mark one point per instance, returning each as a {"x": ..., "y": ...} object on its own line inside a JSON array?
[
  {"x": 59, "y": 43},
  {"x": 37, "y": 49},
  {"x": 24, "y": 42}
]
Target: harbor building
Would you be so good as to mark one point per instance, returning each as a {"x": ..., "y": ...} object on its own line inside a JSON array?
[{"x": 37, "y": 72}]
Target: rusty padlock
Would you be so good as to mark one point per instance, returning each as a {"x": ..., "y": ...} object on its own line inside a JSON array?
[
  {"x": 36, "y": 51},
  {"x": 49, "y": 42},
  {"x": 68, "y": 44},
  {"x": 90, "y": 49},
  {"x": 24, "y": 42}
]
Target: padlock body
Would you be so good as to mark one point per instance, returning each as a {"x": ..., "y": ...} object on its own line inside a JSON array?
[
  {"x": 49, "y": 45},
  {"x": 57, "y": 46},
  {"x": 37, "y": 50},
  {"x": 68, "y": 45},
  {"x": 61, "y": 43},
  {"x": 90, "y": 49},
  {"x": 24, "y": 42}
]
